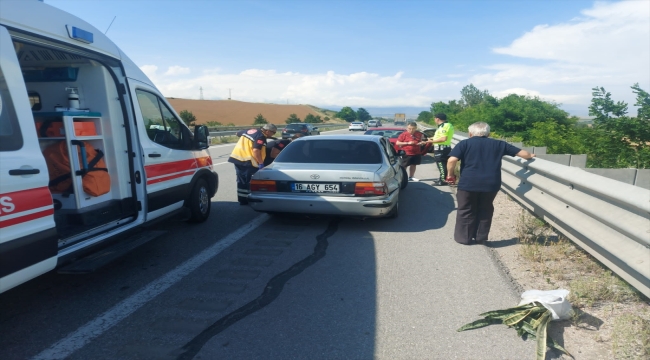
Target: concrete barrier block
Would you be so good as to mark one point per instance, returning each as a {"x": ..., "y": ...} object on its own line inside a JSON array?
[
  {"x": 642, "y": 178},
  {"x": 530, "y": 149},
  {"x": 624, "y": 175},
  {"x": 518, "y": 144},
  {"x": 557, "y": 158},
  {"x": 579, "y": 161},
  {"x": 540, "y": 150}
]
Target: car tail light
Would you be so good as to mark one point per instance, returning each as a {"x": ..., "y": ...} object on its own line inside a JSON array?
[
  {"x": 263, "y": 185},
  {"x": 370, "y": 189}
]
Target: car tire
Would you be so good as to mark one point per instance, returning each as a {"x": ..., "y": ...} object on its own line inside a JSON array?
[
  {"x": 394, "y": 212},
  {"x": 405, "y": 179},
  {"x": 199, "y": 202}
]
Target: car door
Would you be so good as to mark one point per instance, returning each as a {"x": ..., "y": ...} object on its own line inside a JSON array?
[
  {"x": 28, "y": 238},
  {"x": 168, "y": 163},
  {"x": 393, "y": 160}
]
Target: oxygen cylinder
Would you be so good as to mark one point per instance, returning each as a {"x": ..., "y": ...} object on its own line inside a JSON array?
[{"x": 73, "y": 99}]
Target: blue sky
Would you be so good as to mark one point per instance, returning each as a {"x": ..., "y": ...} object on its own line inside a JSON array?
[{"x": 381, "y": 54}]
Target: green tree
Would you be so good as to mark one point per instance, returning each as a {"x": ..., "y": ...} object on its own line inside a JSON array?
[
  {"x": 363, "y": 115},
  {"x": 326, "y": 118},
  {"x": 313, "y": 119},
  {"x": 425, "y": 116},
  {"x": 470, "y": 96},
  {"x": 293, "y": 118},
  {"x": 188, "y": 118},
  {"x": 347, "y": 114},
  {"x": 623, "y": 141},
  {"x": 260, "y": 120},
  {"x": 558, "y": 138},
  {"x": 451, "y": 108}
]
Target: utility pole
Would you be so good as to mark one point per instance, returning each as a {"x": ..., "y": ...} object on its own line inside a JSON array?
[{"x": 201, "y": 96}]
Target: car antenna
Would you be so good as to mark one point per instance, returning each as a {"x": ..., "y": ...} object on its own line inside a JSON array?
[{"x": 109, "y": 25}]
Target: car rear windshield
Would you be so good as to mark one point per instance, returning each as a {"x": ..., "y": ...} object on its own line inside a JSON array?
[
  {"x": 295, "y": 126},
  {"x": 393, "y": 134},
  {"x": 331, "y": 152},
  {"x": 357, "y": 123}
]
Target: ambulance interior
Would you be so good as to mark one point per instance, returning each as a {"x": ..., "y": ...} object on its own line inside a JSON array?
[{"x": 75, "y": 103}]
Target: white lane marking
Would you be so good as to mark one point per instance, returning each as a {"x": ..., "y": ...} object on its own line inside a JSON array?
[
  {"x": 96, "y": 327},
  {"x": 221, "y": 163}
]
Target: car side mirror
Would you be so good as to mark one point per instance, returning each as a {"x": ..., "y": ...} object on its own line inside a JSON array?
[
  {"x": 315, "y": 128},
  {"x": 201, "y": 133}
]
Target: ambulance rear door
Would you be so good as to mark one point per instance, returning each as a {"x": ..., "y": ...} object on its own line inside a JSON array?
[{"x": 28, "y": 237}]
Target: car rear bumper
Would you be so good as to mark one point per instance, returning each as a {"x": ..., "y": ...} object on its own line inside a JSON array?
[{"x": 323, "y": 205}]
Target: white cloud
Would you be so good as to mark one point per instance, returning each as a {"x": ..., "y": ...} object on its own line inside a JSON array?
[
  {"x": 606, "y": 46},
  {"x": 329, "y": 88},
  {"x": 177, "y": 70}
]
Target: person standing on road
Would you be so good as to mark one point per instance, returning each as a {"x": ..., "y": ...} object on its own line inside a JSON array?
[
  {"x": 274, "y": 147},
  {"x": 410, "y": 141},
  {"x": 441, "y": 142},
  {"x": 248, "y": 156},
  {"x": 480, "y": 181}
]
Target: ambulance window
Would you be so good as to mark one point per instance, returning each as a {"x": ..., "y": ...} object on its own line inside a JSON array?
[
  {"x": 10, "y": 136},
  {"x": 161, "y": 125},
  {"x": 34, "y": 100}
]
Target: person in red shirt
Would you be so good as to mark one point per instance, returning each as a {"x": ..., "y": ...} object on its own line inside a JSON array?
[{"x": 410, "y": 141}]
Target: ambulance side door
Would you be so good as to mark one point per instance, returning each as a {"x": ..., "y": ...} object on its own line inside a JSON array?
[
  {"x": 168, "y": 162},
  {"x": 28, "y": 237}
]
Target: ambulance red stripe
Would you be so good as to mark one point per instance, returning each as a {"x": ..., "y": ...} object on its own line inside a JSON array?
[
  {"x": 170, "y": 177},
  {"x": 26, "y": 218},
  {"x": 26, "y": 200}
]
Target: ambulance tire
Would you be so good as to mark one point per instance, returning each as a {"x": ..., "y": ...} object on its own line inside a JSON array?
[
  {"x": 405, "y": 179},
  {"x": 199, "y": 202}
]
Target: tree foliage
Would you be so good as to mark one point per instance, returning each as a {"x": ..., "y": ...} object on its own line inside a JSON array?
[
  {"x": 313, "y": 119},
  {"x": 260, "y": 120},
  {"x": 363, "y": 115},
  {"x": 347, "y": 114},
  {"x": 293, "y": 118},
  {"x": 616, "y": 140},
  {"x": 425, "y": 116},
  {"x": 188, "y": 118}
]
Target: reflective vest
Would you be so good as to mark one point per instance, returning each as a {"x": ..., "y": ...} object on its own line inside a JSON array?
[
  {"x": 243, "y": 151},
  {"x": 444, "y": 129}
]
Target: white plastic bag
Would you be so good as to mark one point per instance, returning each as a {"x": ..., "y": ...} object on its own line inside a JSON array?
[{"x": 554, "y": 300}]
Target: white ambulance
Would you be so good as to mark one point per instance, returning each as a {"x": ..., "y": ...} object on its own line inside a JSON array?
[{"x": 90, "y": 150}]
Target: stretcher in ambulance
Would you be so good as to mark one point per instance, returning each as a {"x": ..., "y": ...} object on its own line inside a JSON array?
[{"x": 89, "y": 148}]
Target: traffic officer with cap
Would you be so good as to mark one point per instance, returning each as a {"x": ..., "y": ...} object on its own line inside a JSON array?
[
  {"x": 441, "y": 141},
  {"x": 248, "y": 157}
]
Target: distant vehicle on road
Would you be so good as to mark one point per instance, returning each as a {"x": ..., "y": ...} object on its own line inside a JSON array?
[
  {"x": 374, "y": 123},
  {"x": 352, "y": 175},
  {"x": 304, "y": 129},
  {"x": 400, "y": 119},
  {"x": 357, "y": 125}
]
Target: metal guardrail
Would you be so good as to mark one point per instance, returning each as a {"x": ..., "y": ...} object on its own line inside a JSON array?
[
  {"x": 232, "y": 130},
  {"x": 607, "y": 218}
]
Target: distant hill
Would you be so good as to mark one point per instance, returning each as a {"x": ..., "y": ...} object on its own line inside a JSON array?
[{"x": 243, "y": 113}]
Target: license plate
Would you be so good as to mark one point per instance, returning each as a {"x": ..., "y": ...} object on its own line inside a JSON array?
[{"x": 317, "y": 188}]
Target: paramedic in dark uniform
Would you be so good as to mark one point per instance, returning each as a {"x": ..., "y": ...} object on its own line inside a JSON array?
[
  {"x": 274, "y": 146},
  {"x": 248, "y": 157}
]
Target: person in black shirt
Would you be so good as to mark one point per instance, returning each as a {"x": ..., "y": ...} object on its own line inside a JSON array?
[
  {"x": 274, "y": 146},
  {"x": 480, "y": 181}
]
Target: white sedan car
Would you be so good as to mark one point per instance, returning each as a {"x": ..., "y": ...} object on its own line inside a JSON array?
[
  {"x": 357, "y": 125},
  {"x": 357, "y": 176}
]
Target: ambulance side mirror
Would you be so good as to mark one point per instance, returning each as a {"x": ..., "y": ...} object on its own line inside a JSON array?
[{"x": 201, "y": 133}]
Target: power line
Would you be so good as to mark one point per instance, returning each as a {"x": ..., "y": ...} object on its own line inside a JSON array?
[{"x": 109, "y": 25}]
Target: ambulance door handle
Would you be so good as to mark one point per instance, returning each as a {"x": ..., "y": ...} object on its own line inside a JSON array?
[
  {"x": 155, "y": 155},
  {"x": 16, "y": 172}
]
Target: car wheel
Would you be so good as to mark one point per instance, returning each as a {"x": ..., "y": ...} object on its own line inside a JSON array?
[
  {"x": 405, "y": 179},
  {"x": 199, "y": 202},
  {"x": 394, "y": 212}
]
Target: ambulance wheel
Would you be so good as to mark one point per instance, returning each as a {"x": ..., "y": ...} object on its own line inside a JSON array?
[
  {"x": 405, "y": 179},
  {"x": 199, "y": 202}
]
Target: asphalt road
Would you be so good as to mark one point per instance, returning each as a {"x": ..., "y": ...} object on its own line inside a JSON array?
[{"x": 244, "y": 285}]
